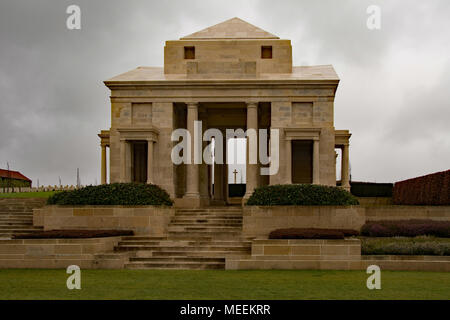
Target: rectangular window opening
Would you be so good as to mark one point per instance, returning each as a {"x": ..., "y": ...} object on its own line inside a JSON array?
[
  {"x": 189, "y": 52},
  {"x": 266, "y": 52}
]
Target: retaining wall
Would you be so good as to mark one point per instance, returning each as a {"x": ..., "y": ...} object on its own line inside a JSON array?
[
  {"x": 259, "y": 221},
  {"x": 143, "y": 220},
  {"x": 60, "y": 253}
]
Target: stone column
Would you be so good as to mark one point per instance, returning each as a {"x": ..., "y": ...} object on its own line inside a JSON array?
[
  {"x": 252, "y": 169},
  {"x": 192, "y": 178},
  {"x": 218, "y": 193},
  {"x": 103, "y": 172},
  {"x": 203, "y": 168},
  {"x": 123, "y": 164},
  {"x": 316, "y": 162},
  {"x": 288, "y": 147},
  {"x": 150, "y": 161},
  {"x": 345, "y": 177}
]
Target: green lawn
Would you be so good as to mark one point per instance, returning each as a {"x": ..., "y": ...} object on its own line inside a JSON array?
[
  {"x": 43, "y": 194},
  {"x": 220, "y": 284}
]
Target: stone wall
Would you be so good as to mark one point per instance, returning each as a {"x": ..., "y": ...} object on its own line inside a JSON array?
[
  {"x": 61, "y": 253},
  {"x": 394, "y": 212},
  {"x": 146, "y": 220},
  {"x": 301, "y": 254},
  {"x": 259, "y": 221},
  {"x": 328, "y": 255}
]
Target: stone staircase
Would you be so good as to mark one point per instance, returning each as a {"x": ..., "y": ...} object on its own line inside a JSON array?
[
  {"x": 16, "y": 215},
  {"x": 197, "y": 239}
]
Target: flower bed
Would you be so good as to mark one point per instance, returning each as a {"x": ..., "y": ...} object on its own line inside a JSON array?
[
  {"x": 405, "y": 246},
  {"x": 312, "y": 233}
]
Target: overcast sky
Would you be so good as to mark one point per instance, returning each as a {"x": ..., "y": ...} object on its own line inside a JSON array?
[{"x": 394, "y": 94}]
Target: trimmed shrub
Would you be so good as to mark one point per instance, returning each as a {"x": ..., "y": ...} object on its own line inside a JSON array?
[
  {"x": 406, "y": 228},
  {"x": 74, "y": 234},
  {"x": 371, "y": 189},
  {"x": 300, "y": 195},
  {"x": 312, "y": 233},
  {"x": 432, "y": 189},
  {"x": 113, "y": 194}
]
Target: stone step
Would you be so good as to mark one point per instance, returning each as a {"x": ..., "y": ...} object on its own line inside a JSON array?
[
  {"x": 175, "y": 265},
  {"x": 184, "y": 242},
  {"x": 16, "y": 227},
  {"x": 224, "y": 235},
  {"x": 205, "y": 227},
  {"x": 180, "y": 248},
  {"x": 199, "y": 224},
  {"x": 143, "y": 238},
  {"x": 206, "y": 219},
  {"x": 217, "y": 209},
  {"x": 178, "y": 259},
  {"x": 9, "y": 213},
  {"x": 15, "y": 224},
  {"x": 217, "y": 253},
  {"x": 14, "y": 218}
]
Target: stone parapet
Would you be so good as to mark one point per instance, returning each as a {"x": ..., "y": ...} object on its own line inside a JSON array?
[
  {"x": 328, "y": 255},
  {"x": 143, "y": 220},
  {"x": 397, "y": 212},
  {"x": 259, "y": 221},
  {"x": 60, "y": 253}
]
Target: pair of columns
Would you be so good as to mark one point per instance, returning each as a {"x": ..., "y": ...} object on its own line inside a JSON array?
[
  {"x": 192, "y": 172},
  {"x": 125, "y": 163}
]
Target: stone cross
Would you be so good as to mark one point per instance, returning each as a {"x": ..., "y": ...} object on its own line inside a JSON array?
[{"x": 235, "y": 172}]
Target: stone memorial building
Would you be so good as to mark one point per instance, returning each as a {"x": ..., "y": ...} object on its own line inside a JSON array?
[{"x": 231, "y": 75}]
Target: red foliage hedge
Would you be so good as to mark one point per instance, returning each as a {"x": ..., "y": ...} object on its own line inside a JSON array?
[
  {"x": 73, "y": 234},
  {"x": 312, "y": 233},
  {"x": 432, "y": 189}
]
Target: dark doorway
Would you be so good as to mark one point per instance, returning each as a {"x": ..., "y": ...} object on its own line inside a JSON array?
[
  {"x": 302, "y": 151},
  {"x": 140, "y": 150}
]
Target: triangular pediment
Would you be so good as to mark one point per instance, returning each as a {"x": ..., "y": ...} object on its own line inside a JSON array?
[{"x": 234, "y": 28}]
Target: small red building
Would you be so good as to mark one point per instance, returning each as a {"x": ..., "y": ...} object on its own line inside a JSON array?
[{"x": 10, "y": 178}]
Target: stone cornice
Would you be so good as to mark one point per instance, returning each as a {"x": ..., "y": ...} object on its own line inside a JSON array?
[{"x": 217, "y": 83}]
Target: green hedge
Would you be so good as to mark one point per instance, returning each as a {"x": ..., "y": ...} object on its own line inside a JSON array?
[
  {"x": 300, "y": 195},
  {"x": 113, "y": 194}
]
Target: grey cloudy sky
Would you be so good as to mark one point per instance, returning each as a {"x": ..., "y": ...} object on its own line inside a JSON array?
[{"x": 394, "y": 92}]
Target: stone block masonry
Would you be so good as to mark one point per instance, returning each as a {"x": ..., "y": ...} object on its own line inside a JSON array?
[{"x": 143, "y": 220}]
